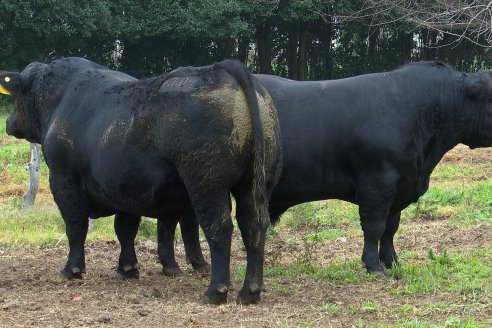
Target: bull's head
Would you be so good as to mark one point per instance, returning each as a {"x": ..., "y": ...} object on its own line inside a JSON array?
[
  {"x": 11, "y": 85},
  {"x": 478, "y": 89},
  {"x": 24, "y": 121},
  {"x": 487, "y": 117}
]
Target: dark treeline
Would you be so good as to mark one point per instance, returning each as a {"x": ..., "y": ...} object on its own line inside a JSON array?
[{"x": 287, "y": 38}]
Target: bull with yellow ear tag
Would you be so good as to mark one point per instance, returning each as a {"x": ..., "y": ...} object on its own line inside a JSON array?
[{"x": 9, "y": 83}]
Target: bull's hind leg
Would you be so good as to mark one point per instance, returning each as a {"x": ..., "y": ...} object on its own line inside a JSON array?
[
  {"x": 387, "y": 253},
  {"x": 253, "y": 231},
  {"x": 213, "y": 210},
  {"x": 126, "y": 227}
]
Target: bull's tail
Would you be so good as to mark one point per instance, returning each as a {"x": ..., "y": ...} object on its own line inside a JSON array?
[{"x": 243, "y": 76}]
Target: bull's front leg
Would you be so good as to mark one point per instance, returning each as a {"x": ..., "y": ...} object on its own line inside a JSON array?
[
  {"x": 387, "y": 253},
  {"x": 126, "y": 228},
  {"x": 74, "y": 210},
  {"x": 375, "y": 197}
]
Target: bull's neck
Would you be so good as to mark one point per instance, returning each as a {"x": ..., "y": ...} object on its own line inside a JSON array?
[
  {"x": 45, "y": 121},
  {"x": 442, "y": 125}
]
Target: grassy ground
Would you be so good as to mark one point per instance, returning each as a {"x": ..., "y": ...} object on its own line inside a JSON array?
[{"x": 313, "y": 272}]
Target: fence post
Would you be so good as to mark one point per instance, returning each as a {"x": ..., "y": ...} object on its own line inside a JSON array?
[{"x": 32, "y": 185}]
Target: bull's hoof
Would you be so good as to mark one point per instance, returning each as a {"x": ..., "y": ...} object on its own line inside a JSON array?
[
  {"x": 128, "y": 272},
  {"x": 390, "y": 263},
  {"x": 203, "y": 268},
  {"x": 216, "y": 297},
  {"x": 388, "y": 259},
  {"x": 251, "y": 295},
  {"x": 132, "y": 274},
  {"x": 380, "y": 274},
  {"x": 375, "y": 268},
  {"x": 72, "y": 273},
  {"x": 172, "y": 271}
]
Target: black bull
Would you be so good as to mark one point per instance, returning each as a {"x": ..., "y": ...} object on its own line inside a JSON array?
[
  {"x": 372, "y": 140},
  {"x": 117, "y": 145}
]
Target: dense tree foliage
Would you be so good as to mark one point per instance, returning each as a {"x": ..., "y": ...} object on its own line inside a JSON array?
[{"x": 302, "y": 39}]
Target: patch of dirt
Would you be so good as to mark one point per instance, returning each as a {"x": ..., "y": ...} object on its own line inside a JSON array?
[
  {"x": 32, "y": 294},
  {"x": 10, "y": 189},
  {"x": 464, "y": 154},
  {"x": 13, "y": 191}
]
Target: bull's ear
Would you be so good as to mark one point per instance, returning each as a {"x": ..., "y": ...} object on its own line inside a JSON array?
[{"x": 10, "y": 83}]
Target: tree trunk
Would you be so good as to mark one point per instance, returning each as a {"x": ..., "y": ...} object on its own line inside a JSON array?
[
  {"x": 243, "y": 49},
  {"x": 32, "y": 185},
  {"x": 302, "y": 67},
  {"x": 292, "y": 54},
  {"x": 406, "y": 42},
  {"x": 326, "y": 39},
  {"x": 226, "y": 48},
  {"x": 430, "y": 50},
  {"x": 264, "y": 48},
  {"x": 371, "y": 60}
]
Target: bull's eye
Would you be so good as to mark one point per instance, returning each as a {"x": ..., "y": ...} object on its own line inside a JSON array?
[{"x": 7, "y": 79}]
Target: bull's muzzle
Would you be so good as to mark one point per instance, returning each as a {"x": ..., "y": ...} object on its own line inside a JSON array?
[{"x": 11, "y": 127}]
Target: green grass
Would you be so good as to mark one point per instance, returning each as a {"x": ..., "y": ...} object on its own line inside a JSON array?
[
  {"x": 471, "y": 204},
  {"x": 349, "y": 271},
  {"x": 331, "y": 307},
  {"x": 452, "y": 172},
  {"x": 367, "y": 307},
  {"x": 39, "y": 226},
  {"x": 468, "y": 274},
  {"x": 43, "y": 226},
  {"x": 326, "y": 214},
  {"x": 451, "y": 322}
]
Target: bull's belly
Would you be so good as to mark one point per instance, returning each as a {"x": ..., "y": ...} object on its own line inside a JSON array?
[
  {"x": 138, "y": 195},
  {"x": 290, "y": 192},
  {"x": 294, "y": 190}
]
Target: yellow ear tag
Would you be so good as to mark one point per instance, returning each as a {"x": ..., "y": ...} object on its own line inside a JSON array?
[{"x": 4, "y": 91}]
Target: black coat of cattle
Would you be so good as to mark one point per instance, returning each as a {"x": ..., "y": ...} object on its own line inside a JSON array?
[
  {"x": 117, "y": 145},
  {"x": 372, "y": 140}
]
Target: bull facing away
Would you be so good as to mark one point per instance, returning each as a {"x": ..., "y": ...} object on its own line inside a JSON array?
[
  {"x": 372, "y": 140},
  {"x": 158, "y": 147}
]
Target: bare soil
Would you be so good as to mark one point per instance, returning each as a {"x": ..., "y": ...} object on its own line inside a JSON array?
[{"x": 33, "y": 295}]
